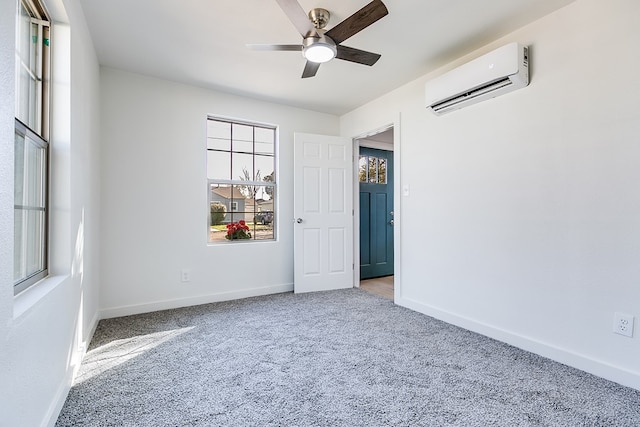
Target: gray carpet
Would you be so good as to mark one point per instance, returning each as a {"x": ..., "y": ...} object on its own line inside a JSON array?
[{"x": 339, "y": 358}]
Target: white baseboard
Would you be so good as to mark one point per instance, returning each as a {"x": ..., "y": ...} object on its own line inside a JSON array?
[
  {"x": 128, "y": 310},
  {"x": 72, "y": 370},
  {"x": 58, "y": 400},
  {"x": 558, "y": 354}
]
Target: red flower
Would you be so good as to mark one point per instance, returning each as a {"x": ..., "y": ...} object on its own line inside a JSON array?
[{"x": 238, "y": 230}]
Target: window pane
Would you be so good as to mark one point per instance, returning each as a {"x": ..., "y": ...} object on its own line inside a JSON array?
[
  {"x": 27, "y": 66},
  {"x": 239, "y": 197},
  {"x": 235, "y": 216},
  {"x": 45, "y": 84},
  {"x": 240, "y": 146},
  {"x": 19, "y": 221},
  {"x": 242, "y": 132},
  {"x": 382, "y": 171},
  {"x": 243, "y": 138},
  {"x": 35, "y": 241},
  {"x": 373, "y": 169},
  {"x": 30, "y": 169},
  {"x": 34, "y": 173},
  {"x": 219, "y": 130},
  {"x": 218, "y": 165},
  {"x": 218, "y": 135},
  {"x": 18, "y": 170},
  {"x": 218, "y": 213},
  {"x": 248, "y": 191},
  {"x": 270, "y": 178},
  {"x": 249, "y": 210},
  {"x": 265, "y": 213},
  {"x": 221, "y": 193},
  {"x": 23, "y": 44},
  {"x": 362, "y": 169},
  {"x": 264, "y": 168},
  {"x": 265, "y": 141},
  {"x": 25, "y": 101},
  {"x": 29, "y": 243},
  {"x": 242, "y": 167},
  {"x": 264, "y": 195},
  {"x": 264, "y": 148},
  {"x": 219, "y": 144}
]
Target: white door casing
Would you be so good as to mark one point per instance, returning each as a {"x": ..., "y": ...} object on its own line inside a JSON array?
[{"x": 323, "y": 212}]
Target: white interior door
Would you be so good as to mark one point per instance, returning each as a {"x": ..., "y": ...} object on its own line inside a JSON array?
[{"x": 323, "y": 210}]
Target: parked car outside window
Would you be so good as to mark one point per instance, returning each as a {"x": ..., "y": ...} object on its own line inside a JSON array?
[{"x": 263, "y": 218}]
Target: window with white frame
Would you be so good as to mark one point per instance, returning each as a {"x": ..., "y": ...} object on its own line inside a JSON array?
[
  {"x": 241, "y": 159},
  {"x": 31, "y": 155}
]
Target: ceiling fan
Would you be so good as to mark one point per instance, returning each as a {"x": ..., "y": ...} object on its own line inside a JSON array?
[{"x": 319, "y": 45}]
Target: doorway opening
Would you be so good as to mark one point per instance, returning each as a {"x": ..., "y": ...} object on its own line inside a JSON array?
[{"x": 375, "y": 189}]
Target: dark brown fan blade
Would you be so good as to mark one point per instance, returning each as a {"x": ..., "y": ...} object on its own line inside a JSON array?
[
  {"x": 297, "y": 16},
  {"x": 310, "y": 69},
  {"x": 284, "y": 47},
  {"x": 358, "y": 21},
  {"x": 357, "y": 55}
]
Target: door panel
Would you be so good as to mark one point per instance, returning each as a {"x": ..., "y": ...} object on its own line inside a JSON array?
[
  {"x": 365, "y": 226},
  {"x": 336, "y": 193},
  {"x": 323, "y": 208},
  {"x": 376, "y": 207},
  {"x": 381, "y": 226}
]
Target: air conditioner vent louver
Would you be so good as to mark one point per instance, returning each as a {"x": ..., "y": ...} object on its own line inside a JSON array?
[
  {"x": 451, "y": 103},
  {"x": 503, "y": 70}
]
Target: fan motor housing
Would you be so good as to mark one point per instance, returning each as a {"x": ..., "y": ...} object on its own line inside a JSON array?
[
  {"x": 319, "y": 17},
  {"x": 319, "y": 48}
]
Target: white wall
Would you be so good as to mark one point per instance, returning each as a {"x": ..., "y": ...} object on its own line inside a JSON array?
[
  {"x": 154, "y": 197},
  {"x": 523, "y": 217},
  {"x": 44, "y": 331}
]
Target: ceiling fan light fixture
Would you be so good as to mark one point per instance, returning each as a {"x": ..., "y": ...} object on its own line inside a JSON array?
[
  {"x": 319, "y": 49},
  {"x": 320, "y": 53}
]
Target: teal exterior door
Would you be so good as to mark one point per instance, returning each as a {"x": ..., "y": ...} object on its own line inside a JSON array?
[{"x": 375, "y": 174}]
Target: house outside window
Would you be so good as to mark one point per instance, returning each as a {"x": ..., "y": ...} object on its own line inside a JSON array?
[
  {"x": 31, "y": 155},
  {"x": 241, "y": 158}
]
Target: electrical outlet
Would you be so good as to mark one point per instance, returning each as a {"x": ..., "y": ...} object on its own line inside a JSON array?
[
  {"x": 623, "y": 324},
  {"x": 185, "y": 275}
]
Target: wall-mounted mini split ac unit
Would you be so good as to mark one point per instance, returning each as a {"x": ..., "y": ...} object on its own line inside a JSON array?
[{"x": 498, "y": 72}]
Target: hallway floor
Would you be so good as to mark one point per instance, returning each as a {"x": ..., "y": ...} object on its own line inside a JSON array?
[{"x": 382, "y": 286}]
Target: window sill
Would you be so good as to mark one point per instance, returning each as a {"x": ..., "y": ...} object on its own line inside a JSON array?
[
  {"x": 239, "y": 241},
  {"x": 29, "y": 298}
]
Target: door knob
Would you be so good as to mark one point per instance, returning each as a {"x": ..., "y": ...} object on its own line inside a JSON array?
[
  {"x": 391, "y": 222},
  {"x": 299, "y": 220}
]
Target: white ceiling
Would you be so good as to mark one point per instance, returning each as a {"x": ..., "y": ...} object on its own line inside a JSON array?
[{"x": 202, "y": 42}]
